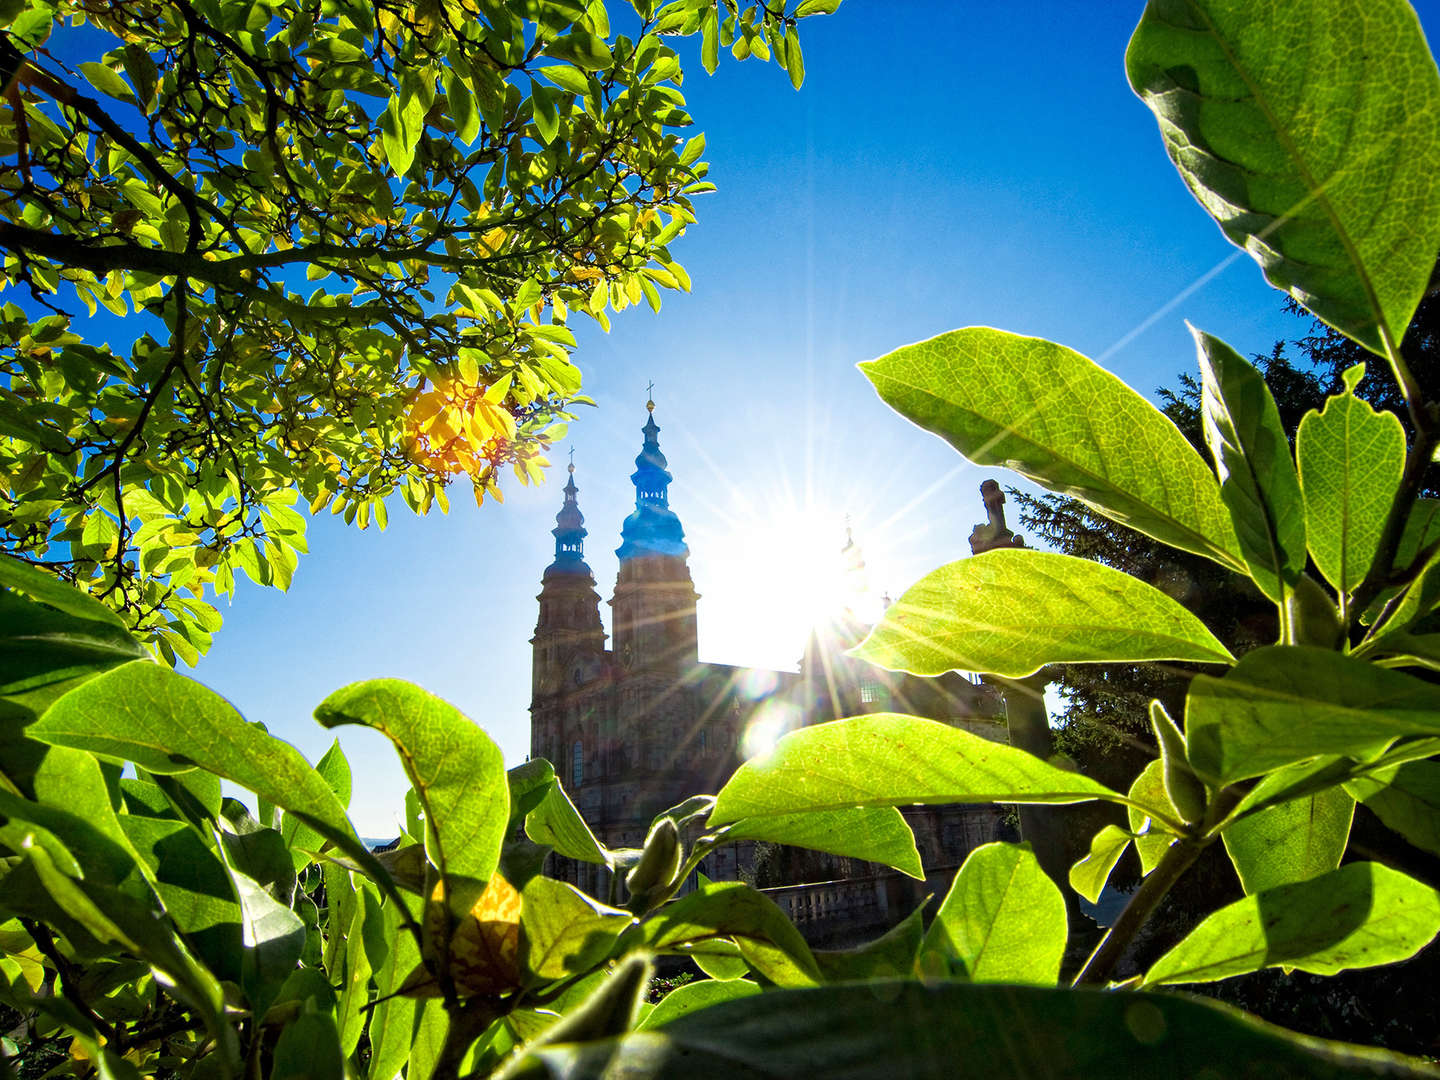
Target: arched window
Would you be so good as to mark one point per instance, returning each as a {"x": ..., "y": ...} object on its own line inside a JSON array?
[{"x": 577, "y": 764}]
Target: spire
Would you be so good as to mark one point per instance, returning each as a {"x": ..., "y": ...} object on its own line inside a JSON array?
[
  {"x": 569, "y": 532},
  {"x": 653, "y": 529}
]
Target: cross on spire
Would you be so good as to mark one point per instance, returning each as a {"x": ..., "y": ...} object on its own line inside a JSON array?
[{"x": 650, "y": 395}]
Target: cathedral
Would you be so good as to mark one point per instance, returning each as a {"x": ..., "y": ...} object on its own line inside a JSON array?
[{"x": 643, "y": 724}]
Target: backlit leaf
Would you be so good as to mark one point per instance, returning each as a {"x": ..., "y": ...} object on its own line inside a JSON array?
[
  {"x": 1009, "y": 612},
  {"x": 1292, "y": 841},
  {"x": 1061, "y": 420}
]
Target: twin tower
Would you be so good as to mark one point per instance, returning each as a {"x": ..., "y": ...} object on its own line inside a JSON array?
[{"x": 637, "y": 727}]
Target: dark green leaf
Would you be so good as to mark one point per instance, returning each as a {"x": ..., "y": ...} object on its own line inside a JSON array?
[
  {"x": 886, "y": 759},
  {"x": 692, "y": 996},
  {"x": 1407, "y": 799},
  {"x": 454, "y": 767},
  {"x": 308, "y": 1049},
  {"x": 562, "y": 931},
  {"x": 1360, "y": 915},
  {"x": 1258, "y": 482},
  {"x": 1283, "y": 704},
  {"x": 272, "y": 934},
  {"x": 950, "y": 1029},
  {"x": 1002, "y": 921},
  {"x": 890, "y": 956},
  {"x": 1062, "y": 421},
  {"x": 1010, "y": 612}
]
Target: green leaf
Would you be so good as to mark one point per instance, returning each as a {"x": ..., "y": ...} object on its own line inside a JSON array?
[
  {"x": 50, "y": 590},
  {"x": 686, "y": 999},
  {"x": 710, "y": 40},
  {"x": 166, "y": 723},
  {"x": 1290, "y": 842},
  {"x": 1002, "y": 921},
  {"x": 334, "y": 769},
  {"x": 1252, "y": 458},
  {"x": 731, "y": 909},
  {"x": 1152, "y": 838},
  {"x": 394, "y": 1018},
  {"x": 107, "y": 81},
  {"x": 1360, "y": 915},
  {"x": 1312, "y": 140},
  {"x": 892, "y": 955},
  {"x": 564, "y": 932},
  {"x": 586, "y": 51},
  {"x": 272, "y": 934},
  {"x": 875, "y": 834},
  {"x": 308, "y": 1049},
  {"x": 1061, "y": 420},
  {"x": 455, "y": 768},
  {"x": 557, "y": 824},
  {"x": 1351, "y": 459},
  {"x": 886, "y": 759},
  {"x": 806, "y": 8},
  {"x": 936, "y": 1032},
  {"x": 566, "y": 77},
  {"x": 1010, "y": 612},
  {"x": 1283, "y": 704},
  {"x": 1407, "y": 799},
  {"x": 1089, "y": 875}
]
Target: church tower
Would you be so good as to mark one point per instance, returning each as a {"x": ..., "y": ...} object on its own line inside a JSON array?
[
  {"x": 569, "y": 646},
  {"x": 654, "y": 603}
]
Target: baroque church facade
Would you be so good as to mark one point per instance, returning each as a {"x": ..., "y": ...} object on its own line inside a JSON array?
[{"x": 643, "y": 724}]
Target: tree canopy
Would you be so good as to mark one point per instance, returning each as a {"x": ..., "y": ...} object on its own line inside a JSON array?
[{"x": 339, "y": 244}]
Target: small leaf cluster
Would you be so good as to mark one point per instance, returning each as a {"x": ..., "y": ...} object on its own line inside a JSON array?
[{"x": 345, "y": 242}]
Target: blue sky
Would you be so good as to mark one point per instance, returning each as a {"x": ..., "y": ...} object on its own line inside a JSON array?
[{"x": 945, "y": 165}]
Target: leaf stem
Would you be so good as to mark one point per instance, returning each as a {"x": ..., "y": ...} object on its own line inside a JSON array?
[{"x": 1177, "y": 859}]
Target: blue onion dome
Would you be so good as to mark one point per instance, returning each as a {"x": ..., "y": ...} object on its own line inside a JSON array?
[{"x": 653, "y": 529}]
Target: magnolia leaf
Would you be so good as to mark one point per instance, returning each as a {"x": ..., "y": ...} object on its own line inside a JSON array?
[
  {"x": 1061, "y": 420},
  {"x": 1009, "y": 612},
  {"x": 273, "y": 936},
  {"x": 1360, "y": 915},
  {"x": 564, "y": 932},
  {"x": 1351, "y": 459},
  {"x": 1292, "y": 841},
  {"x": 454, "y": 767},
  {"x": 1313, "y": 141},
  {"x": 1089, "y": 875},
  {"x": 934, "y": 1032},
  {"x": 890, "y": 956},
  {"x": 1258, "y": 482},
  {"x": 1407, "y": 799},
  {"x": 876, "y": 834},
  {"x": 1284, "y": 704},
  {"x": 692, "y": 996},
  {"x": 730, "y": 909},
  {"x": 1002, "y": 921},
  {"x": 1152, "y": 838},
  {"x": 886, "y": 759}
]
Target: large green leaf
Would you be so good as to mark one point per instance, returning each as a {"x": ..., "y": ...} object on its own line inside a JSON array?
[
  {"x": 886, "y": 759},
  {"x": 334, "y": 769},
  {"x": 394, "y": 1020},
  {"x": 1152, "y": 838},
  {"x": 1060, "y": 420},
  {"x": 1252, "y": 458},
  {"x": 1002, "y": 921},
  {"x": 1312, "y": 136},
  {"x": 1360, "y": 915},
  {"x": 562, "y": 931},
  {"x": 874, "y": 833},
  {"x": 455, "y": 768},
  {"x": 1010, "y": 612},
  {"x": 1407, "y": 799},
  {"x": 731, "y": 909},
  {"x": 1291, "y": 841},
  {"x": 556, "y": 823},
  {"x": 1283, "y": 704},
  {"x": 1351, "y": 459},
  {"x": 950, "y": 1029},
  {"x": 166, "y": 723}
]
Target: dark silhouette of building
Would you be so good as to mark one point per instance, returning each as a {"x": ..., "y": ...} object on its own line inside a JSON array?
[{"x": 639, "y": 727}]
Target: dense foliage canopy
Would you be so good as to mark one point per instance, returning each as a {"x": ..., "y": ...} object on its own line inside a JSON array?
[{"x": 341, "y": 243}]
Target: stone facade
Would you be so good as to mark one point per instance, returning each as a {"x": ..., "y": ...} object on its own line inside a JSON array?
[{"x": 639, "y": 727}]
